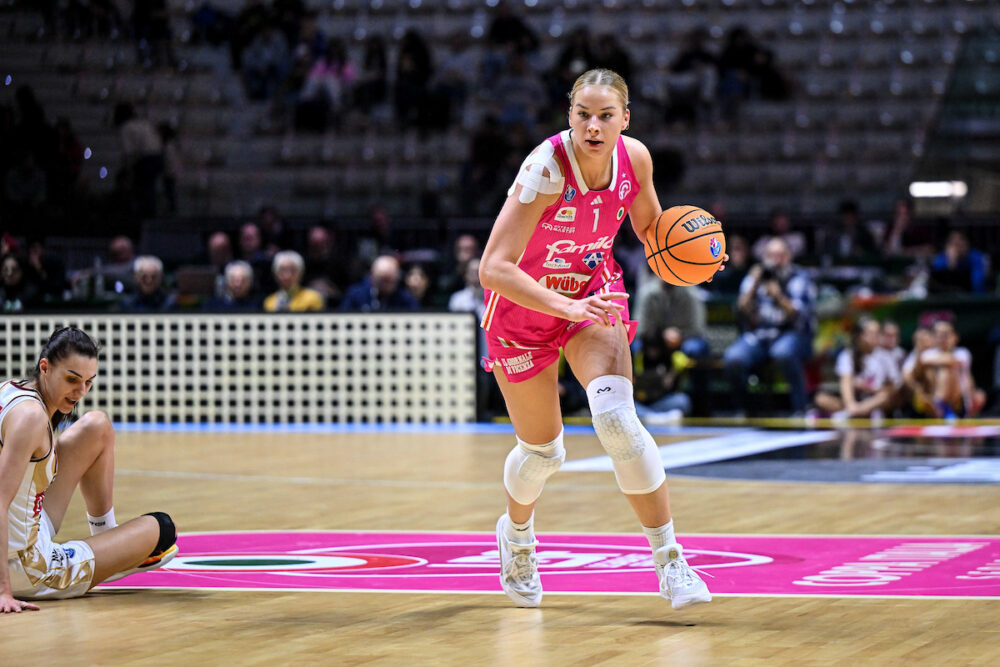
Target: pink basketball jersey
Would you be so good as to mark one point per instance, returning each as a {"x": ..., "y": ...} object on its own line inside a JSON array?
[{"x": 570, "y": 249}]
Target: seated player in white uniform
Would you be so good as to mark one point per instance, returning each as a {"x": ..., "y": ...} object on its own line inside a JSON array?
[{"x": 35, "y": 498}]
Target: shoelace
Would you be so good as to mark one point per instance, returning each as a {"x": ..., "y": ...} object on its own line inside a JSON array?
[
  {"x": 523, "y": 566},
  {"x": 685, "y": 571}
]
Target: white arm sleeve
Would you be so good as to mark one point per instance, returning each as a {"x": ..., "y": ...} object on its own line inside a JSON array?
[{"x": 532, "y": 178}]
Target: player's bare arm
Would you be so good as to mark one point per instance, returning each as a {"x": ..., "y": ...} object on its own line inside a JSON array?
[
  {"x": 25, "y": 434},
  {"x": 646, "y": 207}
]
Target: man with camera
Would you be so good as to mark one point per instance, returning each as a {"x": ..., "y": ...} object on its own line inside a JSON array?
[{"x": 776, "y": 310}]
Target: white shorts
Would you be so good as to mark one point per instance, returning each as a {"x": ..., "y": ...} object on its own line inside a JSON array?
[{"x": 51, "y": 571}]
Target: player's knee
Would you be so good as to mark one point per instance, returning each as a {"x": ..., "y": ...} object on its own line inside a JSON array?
[
  {"x": 528, "y": 466},
  {"x": 633, "y": 452},
  {"x": 97, "y": 424},
  {"x": 168, "y": 532}
]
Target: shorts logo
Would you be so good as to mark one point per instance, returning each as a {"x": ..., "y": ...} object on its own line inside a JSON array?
[
  {"x": 714, "y": 246},
  {"x": 566, "y": 214},
  {"x": 558, "y": 263},
  {"x": 518, "y": 364},
  {"x": 569, "y": 284},
  {"x": 593, "y": 259},
  {"x": 569, "y": 194},
  {"x": 621, "y": 213},
  {"x": 624, "y": 189}
]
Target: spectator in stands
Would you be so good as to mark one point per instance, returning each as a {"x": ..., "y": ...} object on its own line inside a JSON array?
[
  {"x": 249, "y": 22},
  {"x": 252, "y": 252},
  {"x": 918, "y": 384},
  {"x": 671, "y": 321},
  {"x": 776, "y": 302},
  {"x": 327, "y": 271},
  {"x": 288, "y": 267},
  {"x": 46, "y": 270},
  {"x": 326, "y": 90},
  {"x": 950, "y": 367},
  {"x": 418, "y": 284},
  {"x": 508, "y": 35},
  {"x": 904, "y": 236},
  {"x": 455, "y": 275},
  {"x": 851, "y": 240},
  {"x": 266, "y": 62},
  {"x": 867, "y": 375},
  {"x": 520, "y": 93},
  {"x": 237, "y": 295},
  {"x": 380, "y": 291},
  {"x": 219, "y": 255},
  {"x": 413, "y": 72},
  {"x": 17, "y": 293},
  {"x": 729, "y": 281},
  {"x": 574, "y": 59},
  {"x": 151, "y": 296},
  {"x": 142, "y": 149},
  {"x": 455, "y": 78},
  {"x": 658, "y": 376},
  {"x": 469, "y": 299},
  {"x": 488, "y": 152},
  {"x": 609, "y": 54},
  {"x": 959, "y": 267},
  {"x": 691, "y": 86},
  {"x": 373, "y": 76},
  {"x": 675, "y": 317},
  {"x": 889, "y": 341},
  {"x": 781, "y": 227}
]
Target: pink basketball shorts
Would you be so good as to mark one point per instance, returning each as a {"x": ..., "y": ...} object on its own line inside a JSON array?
[{"x": 523, "y": 359}]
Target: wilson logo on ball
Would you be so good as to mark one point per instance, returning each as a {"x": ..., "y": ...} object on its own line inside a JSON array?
[{"x": 694, "y": 224}]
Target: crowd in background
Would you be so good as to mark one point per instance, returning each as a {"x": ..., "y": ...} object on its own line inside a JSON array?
[{"x": 311, "y": 81}]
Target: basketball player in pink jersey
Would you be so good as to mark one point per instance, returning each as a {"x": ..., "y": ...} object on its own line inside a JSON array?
[
  {"x": 35, "y": 498},
  {"x": 551, "y": 282}
]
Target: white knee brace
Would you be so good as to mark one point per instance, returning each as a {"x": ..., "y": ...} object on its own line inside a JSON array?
[
  {"x": 528, "y": 466},
  {"x": 633, "y": 452}
]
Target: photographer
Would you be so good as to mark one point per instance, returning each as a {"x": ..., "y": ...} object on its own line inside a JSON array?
[{"x": 776, "y": 307}]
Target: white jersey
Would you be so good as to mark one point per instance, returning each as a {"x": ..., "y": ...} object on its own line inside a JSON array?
[{"x": 25, "y": 511}]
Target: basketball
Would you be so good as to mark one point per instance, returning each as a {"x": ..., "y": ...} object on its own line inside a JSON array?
[{"x": 685, "y": 245}]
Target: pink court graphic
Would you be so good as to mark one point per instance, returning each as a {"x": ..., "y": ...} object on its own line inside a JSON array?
[{"x": 768, "y": 565}]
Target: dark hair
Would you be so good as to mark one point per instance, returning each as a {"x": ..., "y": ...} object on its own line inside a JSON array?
[
  {"x": 62, "y": 343},
  {"x": 856, "y": 331}
]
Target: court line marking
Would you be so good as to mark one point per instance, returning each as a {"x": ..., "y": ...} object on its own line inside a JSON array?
[
  {"x": 346, "y": 531},
  {"x": 708, "y": 450},
  {"x": 146, "y": 589},
  {"x": 339, "y": 481},
  {"x": 473, "y": 428}
]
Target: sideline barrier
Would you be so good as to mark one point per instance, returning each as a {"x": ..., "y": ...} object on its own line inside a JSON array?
[{"x": 268, "y": 369}]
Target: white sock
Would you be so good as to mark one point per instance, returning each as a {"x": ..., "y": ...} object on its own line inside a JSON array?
[
  {"x": 99, "y": 524},
  {"x": 660, "y": 536},
  {"x": 520, "y": 533}
]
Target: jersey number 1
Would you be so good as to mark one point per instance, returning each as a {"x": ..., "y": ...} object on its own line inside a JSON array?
[{"x": 597, "y": 214}]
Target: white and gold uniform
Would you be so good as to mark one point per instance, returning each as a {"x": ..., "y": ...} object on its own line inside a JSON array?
[{"x": 40, "y": 568}]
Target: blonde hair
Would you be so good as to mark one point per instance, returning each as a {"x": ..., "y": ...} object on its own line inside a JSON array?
[{"x": 601, "y": 77}]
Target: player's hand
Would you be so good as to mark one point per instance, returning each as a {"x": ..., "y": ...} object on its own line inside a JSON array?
[
  {"x": 722, "y": 267},
  {"x": 599, "y": 308},
  {"x": 8, "y": 605}
]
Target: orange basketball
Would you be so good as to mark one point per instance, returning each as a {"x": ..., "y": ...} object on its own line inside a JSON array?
[{"x": 685, "y": 245}]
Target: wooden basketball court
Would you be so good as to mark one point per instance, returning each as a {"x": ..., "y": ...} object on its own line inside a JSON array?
[{"x": 451, "y": 482}]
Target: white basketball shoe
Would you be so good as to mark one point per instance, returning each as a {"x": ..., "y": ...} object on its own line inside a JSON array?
[
  {"x": 679, "y": 583},
  {"x": 518, "y": 569}
]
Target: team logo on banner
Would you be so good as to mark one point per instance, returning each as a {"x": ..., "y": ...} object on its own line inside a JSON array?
[{"x": 417, "y": 562}]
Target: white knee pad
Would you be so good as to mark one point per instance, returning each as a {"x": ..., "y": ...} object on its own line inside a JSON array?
[
  {"x": 633, "y": 452},
  {"x": 528, "y": 466}
]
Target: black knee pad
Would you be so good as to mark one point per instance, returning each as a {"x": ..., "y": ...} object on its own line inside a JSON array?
[{"x": 168, "y": 532}]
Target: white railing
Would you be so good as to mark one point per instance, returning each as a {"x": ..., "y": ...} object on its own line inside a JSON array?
[{"x": 406, "y": 368}]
